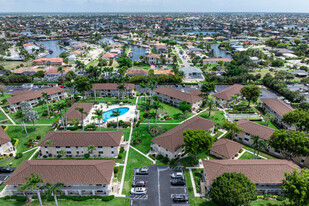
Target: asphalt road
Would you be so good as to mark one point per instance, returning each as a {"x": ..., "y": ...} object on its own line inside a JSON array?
[{"x": 160, "y": 190}]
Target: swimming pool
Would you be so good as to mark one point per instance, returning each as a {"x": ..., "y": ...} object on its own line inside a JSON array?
[{"x": 108, "y": 114}]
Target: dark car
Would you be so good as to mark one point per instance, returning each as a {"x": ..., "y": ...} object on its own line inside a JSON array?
[
  {"x": 176, "y": 85},
  {"x": 183, "y": 85},
  {"x": 6, "y": 169},
  {"x": 180, "y": 182},
  {"x": 138, "y": 184},
  {"x": 180, "y": 198},
  {"x": 142, "y": 171}
]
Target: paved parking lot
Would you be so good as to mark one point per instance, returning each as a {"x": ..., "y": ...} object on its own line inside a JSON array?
[
  {"x": 4, "y": 177},
  {"x": 160, "y": 190}
]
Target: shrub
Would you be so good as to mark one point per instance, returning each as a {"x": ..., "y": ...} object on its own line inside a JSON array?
[
  {"x": 17, "y": 198},
  {"x": 15, "y": 141},
  {"x": 72, "y": 128},
  {"x": 86, "y": 155},
  {"x": 108, "y": 198},
  {"x": 152, "y": 157},
  {"x": 281, "y": 198},
  {"x": 116, "y": 169},
  {"x": 5, "y": 127},
  {"x": 172, "y": 161},
  {"x": 11, "y": 154},
  {"x": 267, "y": 196},
  {"x": 165, "y": 160},
  {"x": 38, "y": 137},
  {"x": 120, "y": 156},
  {"x": 159, "y": 157},
  {"x": 44, "y": 156},
  {"x": 121, "y": 149},
  {"x": 241, "y": 150},
  {"x": 19, "y": 155},
  {"x": 59, "y": 156},
  {"x": 195, "y": 162},
  {"x": 137, "y": 141}
]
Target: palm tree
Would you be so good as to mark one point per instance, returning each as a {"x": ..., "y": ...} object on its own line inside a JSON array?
[
  {"x": 98, "y": 115},
  {"x": 268, "y": 118},
  {"x": 59, "y": 107},
  {"x": 45, "y": 97},
  {"x": 61, "y": 70},
  {"x": 206, "y": 89},
  {"x": 147, "y": 116},
  {"x": 81, "y": 110},
  {"x": 90, "y": 149},
  {"x": 52, "y": 190},
  {"x": 49, "y": 142},
  {"x": 255, "y": 144},
  {"x": 62, "y": 153},
  {"x": 143, "y": 85},
  {"x": 121, "y": 88},
  {"x": 210, "y": 106},
  {"x": 116, "y": 113},
  {"x": 21, "y": 115},
  {"x": 156, "y": 105},
  {"x": 70, "y": 86},
  {"x": 32, "y": 182},
  {"x": 262, "y": 145},
  {"x": 232, "y": 127}
]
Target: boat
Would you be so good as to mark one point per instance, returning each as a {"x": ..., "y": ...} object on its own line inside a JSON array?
[{"x": 50, "y": 51}]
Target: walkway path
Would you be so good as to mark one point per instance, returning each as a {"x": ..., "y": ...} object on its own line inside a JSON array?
[
  {"x": 7, "y": 116},
  {"x": 154, "y": 162},
  {"x": 30, "y": 150},
  {"x": 127, "y": 155},
  {"x": 34, "y": 153},
  {"x": 193, "y": 184},
  {"x": 184, "y": 61}
]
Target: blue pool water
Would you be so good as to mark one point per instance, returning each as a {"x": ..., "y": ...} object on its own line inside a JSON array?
[{"x": 108, "y": 114}]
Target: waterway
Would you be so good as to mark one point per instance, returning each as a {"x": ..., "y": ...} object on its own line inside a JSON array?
[
  {"x": 52, "y": 45},
  {"x": 219, "y": 52},
  {"x": 137, "y": 52}
]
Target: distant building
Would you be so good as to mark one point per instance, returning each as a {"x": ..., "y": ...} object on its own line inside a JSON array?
[
  {"x": 52, "y": 61},
  {"x": 216, "y": 60},
  {"x": 111, "y": 89},
  {"x": 6, "y": 146},
  {"x": 192, "y": 72},
  {"x": 136, "y": 72},
  {"x": 225, "y": 96},
  {"x": 225, "y": 149}
]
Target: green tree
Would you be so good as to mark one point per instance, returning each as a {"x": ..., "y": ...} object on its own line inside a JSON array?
[
  {"x": 207, "y": 88},
  {"x": 52, "y": 190},
  {"x": 268, "y": 118},
  {"x": 59, "y": 107},
  {"x": 299, "y": 118},
  {"x": 120, "y": 88},
  {"x": 2, "y": 90},
  {"x": 232, "y": 189},
  {"x": 290, "y": 143},
  {"x": 147, "y": 116},
  {"x": 21, "y": 115},
  {"x": 125, "y": 61},
  {"x": 116, "y": 113},
  {"x": 98, "y": 115},
  {"x": 45, "y": 97},
  {"x": 49, "y": 142},
  {"x": 210, "y": 105},
  {"x": 82, "y": 84},
  {"x": 197, "y": 141},
  {"x": 32, "y": 184},
  {"x": 184, "y": 107},
  {"x": 82, "y": 112},
  {"x": 295, "y": 186},
  {"x": 251, "y": 93},
  {"x": 232, "y": 127},
  {"x": 31, "y": 116},
  {"x": 91, "y": 149},
  {"x": 156, "y": 105}
]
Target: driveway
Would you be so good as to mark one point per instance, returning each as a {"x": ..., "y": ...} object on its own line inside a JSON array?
[
  {"x": 184, "y": 61},
  {"x": 160, "y": 190}
]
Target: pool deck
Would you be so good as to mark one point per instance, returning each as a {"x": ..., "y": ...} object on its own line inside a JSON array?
[{"x": 125, "y": 117}]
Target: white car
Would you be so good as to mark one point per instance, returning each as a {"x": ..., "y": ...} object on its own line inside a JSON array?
[
  {"x": 177, "y": 175},
  {"x": 138, "y": 191}
]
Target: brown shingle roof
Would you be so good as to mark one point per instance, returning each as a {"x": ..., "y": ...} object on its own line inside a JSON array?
[
  {"x": 83, "y": 138},
  {"x": 20, "y": 92},
  {"x": 278, "y": 106},
  {"x": 137, "y": 71},
  {"x": 34, "y": 95},
  {"x": 255, "y": 129},
  {"x": 66, "y": 171},
  {"x": 226, "y": 148},
  {"x": 226, "y": 94},
  {"x": 4, "y": 137},
  {"x": 172, "y": 140},
  {"x": 111, "y": 86},
  {"x": 191, "y": 99},
  {"x": 72, "y": 113},
  {"x": 258, "y": 171}
]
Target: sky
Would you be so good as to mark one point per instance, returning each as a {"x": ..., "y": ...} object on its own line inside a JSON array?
[{"x": 301, "y": 6}]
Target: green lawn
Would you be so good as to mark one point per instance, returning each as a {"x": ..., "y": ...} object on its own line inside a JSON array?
[
  {"x": 173, "y": 112},
  {"x": 3, "y": 117},
  {"x": 196, "y": 201},
  {"x": 13, "y": 64},
  {"x": 134, "y": 160},
  {"x": 118, "y": 201},
  {"x": 5, "y": 96},
  {"x": 17, "y": 162},
  {"x": 16, "y": 132},
  {"x": 218, "y": 134},
  {"x": 119, "y": 176},
  {"x": 216, "y": 116},
  {"x": 188, "y": 182},
  {"x": 247, "y": 155},
  {"x": 126, "y": 132},
  {"x": 197, "y": 178},
  {"x": 146, "y": 137},
  {"x": 261, "y": 153},
  {"x": 271, "y": 125}
]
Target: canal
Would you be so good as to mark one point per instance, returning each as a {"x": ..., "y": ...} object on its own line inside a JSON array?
[{"x": 52, "y": 45}]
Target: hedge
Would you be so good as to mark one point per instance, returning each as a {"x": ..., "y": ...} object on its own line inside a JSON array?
[
  {"x": 17, "y": 198},
  {"x": 78, "y": 198},
  {"x": 5, "y": 127}
]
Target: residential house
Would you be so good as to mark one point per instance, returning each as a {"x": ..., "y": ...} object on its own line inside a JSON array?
[
  {"x": 174, "y": 97},
  {"x": 277, "y": 108},
  {"x": 170, "y": 143},
  {"x": 160, "y": 48},
  {"x": 136, "y": 72},
  {"x": 163, "y": 72},
  {"x": 216, "y": 60},
  {"x": 6, "y": 146},
  {"x": 225, "y": 96},
  {"x": 192, "y": 72},
  {"x": 73, "y": 114},
  {"x": 266, "y": 174},
  {"x": 225, "y": 149},
  {"x": 31, "y": 48},
  {"x": 54, "y": 73},
  {"x": 75, "y": 143},
  {"x": 110, "y": 55},
  {"x": 111, "y": 90},
  {"x": 80, "y": 177},
  {"x": 26, "y": 71},
  {"x": 153, "y": 59},
  {"x": 33, "y": 97},
  {"x": 46, "y": 61}
]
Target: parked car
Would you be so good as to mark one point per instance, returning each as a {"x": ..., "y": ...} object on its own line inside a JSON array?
[
  {"x": 6, "y": 169},
  {"x": 180, "y": 198},
  {"x": 142, "y": 171},
  {"x": 138, "y": 184},
  {"x": 180, "y": 182},
  {"x": 138, "y": 191},
  {"x": 177, "y": 175}
]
